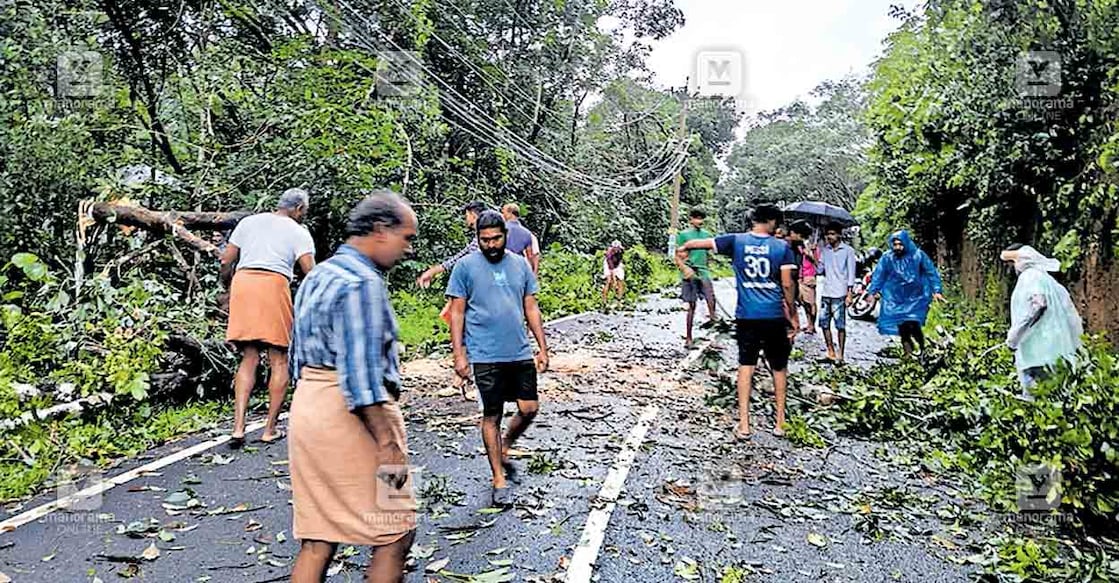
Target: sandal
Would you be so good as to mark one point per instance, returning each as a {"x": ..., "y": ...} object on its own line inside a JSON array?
[
  {"x": 236, "y": 442},
  {"x": 503, "y": 497},
  {"x": 277, "y": 437}
]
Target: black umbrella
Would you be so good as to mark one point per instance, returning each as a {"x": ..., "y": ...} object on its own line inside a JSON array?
[{"x": 820, "y": 212}]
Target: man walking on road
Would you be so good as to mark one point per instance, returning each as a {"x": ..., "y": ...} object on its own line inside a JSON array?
[
  {"x": 1044, "y": 324},
  {"x": 766, "y": 318},
  {"x": 838, "y": 261},
  {"x": 614, "y": 272},
  {"x": 348, "y": 451},
  {"x": 907, "y": 281},
  {"x": 520, "y": 240},
  {"x": 493, "y": 295},
  {"x": 257, "y": 266},
  {"x": 697, "y": 277}
]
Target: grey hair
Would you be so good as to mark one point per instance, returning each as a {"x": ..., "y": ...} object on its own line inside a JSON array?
[
  {"x": 292, "y": 199},
  {"x": 383, "y": 209}
]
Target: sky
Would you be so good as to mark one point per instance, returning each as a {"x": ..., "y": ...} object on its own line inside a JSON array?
[{"x": 788, "y": 46}]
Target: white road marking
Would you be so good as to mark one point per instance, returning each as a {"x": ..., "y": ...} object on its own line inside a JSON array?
[
  {"x": 583, "y": 559},
  {"x": 103, "y": 486},
  {"x": 566, "y": 318}
]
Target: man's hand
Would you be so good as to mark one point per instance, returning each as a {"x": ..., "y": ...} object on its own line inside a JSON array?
[
  {"x": 689, "y": 273},
  {"x": 542, "y": 361},
  {"x": 424, "y": 280},
  {"x": 939, "y": 297},
  {"x": 850, "y": 299},
  {"x": 462, "y": 366}
]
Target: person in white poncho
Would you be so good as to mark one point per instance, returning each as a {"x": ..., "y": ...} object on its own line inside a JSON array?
[{"x": 1044, "y": 324}]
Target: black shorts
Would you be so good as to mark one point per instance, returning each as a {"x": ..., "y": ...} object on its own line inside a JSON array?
[
  {"x": 695, "y": 288},
  {"x": 504, "y": 382},
  {"x": 772, "y": 336}
]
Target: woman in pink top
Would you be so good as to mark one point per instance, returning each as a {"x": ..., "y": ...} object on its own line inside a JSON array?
[{"x": 810, "y": 259}]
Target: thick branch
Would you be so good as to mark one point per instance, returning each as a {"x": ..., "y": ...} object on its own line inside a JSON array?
[{"x": 175, "y": 223}]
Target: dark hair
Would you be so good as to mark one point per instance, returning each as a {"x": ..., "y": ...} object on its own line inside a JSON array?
[
  {"x": 490, "y": 220},
  {"x": 475, "y": 207},
  {"x": 838, "y": 228},
  {"x": 384, "y": 209},
  {"x": 766, "y": 213},
  {"x": 801, "y": 228},
  {"x": 697, "y": 213},
  {"x": 1014, "y": 247}
]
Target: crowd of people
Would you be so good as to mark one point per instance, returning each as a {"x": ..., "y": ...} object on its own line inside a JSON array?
[{"x": 338, "y": 341}]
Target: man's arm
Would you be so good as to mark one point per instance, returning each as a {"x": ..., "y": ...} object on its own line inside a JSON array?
[
  {"x": 424, "y": 280},
  {"x": 1038, "y": 306},
  {"x": 851, "y": 266},
  {"x": 536, "y": 325},
  {"x": 458, "y": 348},
  {"x": 693, "y": 245},
  {"x": 306, "y": 263},
  {"x": 788, "y": 285},
  {"x": 229, "y": 259},
  {"x": 530, "y": 257},
  {"x": 382, "y": 426}
]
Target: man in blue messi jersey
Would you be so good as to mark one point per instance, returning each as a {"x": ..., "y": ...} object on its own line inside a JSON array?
[{"x": 765, "y": 318}]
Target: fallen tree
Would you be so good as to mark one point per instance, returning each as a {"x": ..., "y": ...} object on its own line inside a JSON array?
[{"x": 179, "y": 224}]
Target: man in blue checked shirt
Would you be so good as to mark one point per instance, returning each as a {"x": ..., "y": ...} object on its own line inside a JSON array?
[
  {"x": 347, "y": 446},
  {"x": 493, "y": 295}
]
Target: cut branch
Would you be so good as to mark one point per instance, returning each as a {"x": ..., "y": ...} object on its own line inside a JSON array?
[{"x": 175, "y": 223}]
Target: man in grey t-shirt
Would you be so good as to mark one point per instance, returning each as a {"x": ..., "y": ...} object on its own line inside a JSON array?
[{"x": 493, "y": 295}]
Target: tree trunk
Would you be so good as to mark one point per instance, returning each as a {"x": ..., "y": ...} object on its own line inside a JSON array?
[{"x": 179, "y": 224}]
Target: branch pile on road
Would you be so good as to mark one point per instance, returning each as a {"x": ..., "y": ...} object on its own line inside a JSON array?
[{"x": 960, "y": 407}]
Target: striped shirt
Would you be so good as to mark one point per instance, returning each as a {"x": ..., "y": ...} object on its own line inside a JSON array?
[
  {"x": 344, "y": 321},
  {"x": 471, "y": 247}
]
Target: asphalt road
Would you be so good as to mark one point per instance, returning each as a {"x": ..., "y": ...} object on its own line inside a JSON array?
[{"x": 695, "y": 505}]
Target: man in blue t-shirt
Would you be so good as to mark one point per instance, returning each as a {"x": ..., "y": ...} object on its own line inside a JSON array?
[
  {"x": 766, "y": 318},
  {"x": 493, "y": 294}
]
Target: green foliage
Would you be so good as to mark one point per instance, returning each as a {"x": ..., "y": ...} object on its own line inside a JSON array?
[
  {"x": 961, "y": 148},
  {"x": 799, "y": 432},
  {"x": 963, "y": 397},
  {"x": 28, "y": 455}
]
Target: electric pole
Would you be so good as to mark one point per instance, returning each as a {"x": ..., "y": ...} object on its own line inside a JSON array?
[{"x": 674, "y": 207}]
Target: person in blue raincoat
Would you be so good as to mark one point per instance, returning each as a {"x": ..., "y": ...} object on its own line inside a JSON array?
[
  {"x": 1044, "y": 324},
  {"x": 907, "y": 282}
]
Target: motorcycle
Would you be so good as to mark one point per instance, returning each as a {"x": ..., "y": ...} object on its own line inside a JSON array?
[{"x": 863, "y": 306}]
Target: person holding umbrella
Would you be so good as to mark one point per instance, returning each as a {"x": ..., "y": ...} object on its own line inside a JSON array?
[{"x": 907, "y": 281}]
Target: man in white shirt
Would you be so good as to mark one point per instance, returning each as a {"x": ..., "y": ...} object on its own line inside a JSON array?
[
  {"x": 838, "y": 261},
  {"x": 257, "y": 266}
]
